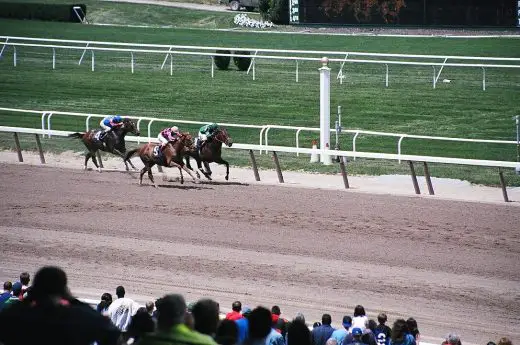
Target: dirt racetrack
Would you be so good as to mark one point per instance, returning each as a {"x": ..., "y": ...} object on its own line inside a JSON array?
[{"x": 453, "y": 265}]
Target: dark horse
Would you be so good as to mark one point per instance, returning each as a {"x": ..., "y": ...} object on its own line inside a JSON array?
[
  {"x": 211, "y": 152},
  {"x": 113, "y": 142},
  {"x": 171, "y": 156}
]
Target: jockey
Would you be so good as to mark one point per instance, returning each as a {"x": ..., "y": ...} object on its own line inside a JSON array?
[
  {"x": 108, "y": 123},
  {"x": 167, "y": 135},
  {"x": 207, "y": 132}
]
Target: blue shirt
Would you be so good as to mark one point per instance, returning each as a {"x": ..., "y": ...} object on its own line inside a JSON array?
[
  {"x": 339, "y": 335},
  {"x": 274, "y": 338},
  {"x": 3, "y": 298},
  {"x": 243, "y": 329},
  {"x": 321, "y": 334}
]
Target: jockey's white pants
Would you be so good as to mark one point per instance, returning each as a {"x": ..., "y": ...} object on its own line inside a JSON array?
[
  {"x": 162, "y": 139},
  {"x": 203, "y": 137},
  {"x": 105, "y": 127}
]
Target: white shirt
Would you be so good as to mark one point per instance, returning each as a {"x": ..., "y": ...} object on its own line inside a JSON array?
[
  {"x": 121, "y": 312},
  {"x": 359, "y": 322}
]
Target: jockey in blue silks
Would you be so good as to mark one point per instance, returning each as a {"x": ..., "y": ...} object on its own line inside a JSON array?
[{"x": 108, "y": 123}]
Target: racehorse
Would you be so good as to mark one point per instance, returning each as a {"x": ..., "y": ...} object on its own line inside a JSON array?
[
  {"x": 170, "y": 156},
  {"x": 114, "y": 142},
  {"x": 211, "y": 151}
]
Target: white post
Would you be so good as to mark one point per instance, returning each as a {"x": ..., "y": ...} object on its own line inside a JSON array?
[
  {"x": 212, "y": 67},
  {"x": 92, "y": 68},
  {"x": 132, "y": 53},
  {"x": 325, "y": 110},
  {"x": 53, "y": 58}
]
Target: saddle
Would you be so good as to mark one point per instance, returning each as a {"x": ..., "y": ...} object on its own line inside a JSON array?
[{"x": 158, "y": 155}]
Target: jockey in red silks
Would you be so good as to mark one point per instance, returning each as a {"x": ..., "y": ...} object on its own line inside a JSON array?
[
  {"x": 108, "y": 123},
  {"x": 167, "y": 135}
]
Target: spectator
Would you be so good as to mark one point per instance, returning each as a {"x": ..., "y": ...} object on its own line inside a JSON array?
[
  {"x": 140, "y": 324},
  {"x": 235, "y": 313},
  {"x": 368, "y": 336},
  {"x": 357, "y": 333},
  {"x": 106, "y": 300},
  {"x": 52, "y": 316},
  {"x": 298, "y": 333},
  {"x": 299, "y": 316},
  {"x": 150, "y": 307},
  {"x": 489, "y": 343},
  {"x": 243, "y": 325},
  {"x": 279, "y": 323},
  {"x": 25, "y": 279},
  {"x": 360, "y": 320},
  {"x": 322, "y": 333},
  {"x": 452, "y": 339},
  {"x": 8, "y": 287},
  {"x": 205, "y": 314},
  {"x": 227, "y": 332},
  {"x": 260, "y": 329},
  {"x": 382, "y": 332},
  {"x": 15, "y": 297},
  {"x": 341, "y": 334},
  {"x": 502, "y": 341},
  {"x": 400, "y": 334},
  {"x": 122, "y": 309},
  {"x": 331, "y": 341},
  {"x": 413, "y": 329},
  {"x": 171, "y": 330}
]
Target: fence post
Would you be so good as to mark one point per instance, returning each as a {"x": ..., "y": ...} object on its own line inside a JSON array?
[
  {"x": 255, "y": 167},
  {"x": 503, "y": 184},
  {"x": 39, "y": 144},
  {"x": 18, "y": 149},
  {"x": 428, "y": 179},
  {"x": 344, "y": 172},
  {"x": 278, "y": 170},
  {"x": 414, "y": 179}
]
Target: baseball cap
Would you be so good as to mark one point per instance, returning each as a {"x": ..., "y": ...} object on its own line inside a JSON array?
[
  {"x": 347, "y": 321},
  {"x": 357, "y": 331}
]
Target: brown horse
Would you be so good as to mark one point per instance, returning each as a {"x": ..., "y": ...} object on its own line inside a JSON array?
[
  {"x": 210, "y": 152},
  {"x": 114, "y": 142},
  {"x": 170, "y": 156}
]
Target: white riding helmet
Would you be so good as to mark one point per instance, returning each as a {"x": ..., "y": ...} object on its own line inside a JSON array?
[{"x": 175, "y": 129}]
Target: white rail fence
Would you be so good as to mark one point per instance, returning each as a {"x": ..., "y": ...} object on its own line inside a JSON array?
[
  {"x": 436, "y": 62},
  {"x": 276, "y": 149},
  {"x": 46, "y": 124}
]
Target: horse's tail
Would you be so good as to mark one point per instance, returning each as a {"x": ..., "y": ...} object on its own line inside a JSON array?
[
  {"x": 130, "y": 154},
  {"x": 76, "y": 135}
]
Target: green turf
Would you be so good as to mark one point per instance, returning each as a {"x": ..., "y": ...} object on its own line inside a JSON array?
[{"x": 409, "y": 105}]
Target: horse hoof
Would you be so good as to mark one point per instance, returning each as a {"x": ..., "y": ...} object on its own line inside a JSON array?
[
  {"x": 156, "y": 186},
  {"x": 227, "y": 178},
  {"x": 99, "y": 170}
]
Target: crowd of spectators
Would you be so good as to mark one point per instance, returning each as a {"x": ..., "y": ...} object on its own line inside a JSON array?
[{"x": 46, "y": 313}]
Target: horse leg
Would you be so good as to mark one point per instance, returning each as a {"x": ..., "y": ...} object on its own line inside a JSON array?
[
  {"x": 190, "y": 172},
  {"x": 221, "y": 161},
  {"x": 150, "y": 176},
  {"x": 87, "y": 157},
  {"x": 143, "y": 170},
  {"x": 208, "y": 170},
  {"x": 187, "y": 159},
  {"x": 182, "y": 177},
  {"x": 94, "y": 160}
]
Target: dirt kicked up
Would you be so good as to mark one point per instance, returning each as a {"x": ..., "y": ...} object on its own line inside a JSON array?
[{"x": 452, "y": 265}]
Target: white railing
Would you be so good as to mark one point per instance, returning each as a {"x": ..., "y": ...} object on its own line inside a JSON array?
[
  {"x": 274, "y": 149},
  {"x": 342, "y": 57},
  {"x": 46, "y": 123}
]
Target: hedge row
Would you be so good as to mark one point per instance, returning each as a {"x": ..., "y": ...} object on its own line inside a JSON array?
[{"x": 51, "y": 12}]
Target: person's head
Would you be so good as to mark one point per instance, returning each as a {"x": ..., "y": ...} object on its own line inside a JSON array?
[
  {"x": 17, "y": 289},
  {"x": 491, "y": 343},
  {"x": 372, "y": 324},
  {"x": 49, "y": 282},
  {"x": 412, "y": 326},
  {"x": 205, "y": 313},
  {"x": 504, "y": 341},
  {"x": 399, "y": 331},
  {"x": 382, "y": 318},
  {"x": 246, "y": 311},
  {"x": 453, "y": 339},
  {"x": 174, "y": 129},
  {"x": 107, "y": 297},
  {"x": 259, "y": 323},
  {"x": 227, "y": 333},
  {"x": 316, "y": 324},
  {"x": 149, "y": 307},
  {"x": 25, "y": 278},
  {"x": 276, "y": 310},
  {"x": 118, "y": 118},
  {"x": 359, "y": 311},
  {"x": 298, "y": 333},
  {"x": 236, "y": 306},
  {"x": 357, "y": 333},
  {"x": 347, "y": 322},
  {"x": 326, "y": 319},
  {"x": 299, "y": 317},
  {"x": 8, "y": 286},
  {"x": 120, "y": 292},
  {"x": 170, "y": 311}
]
